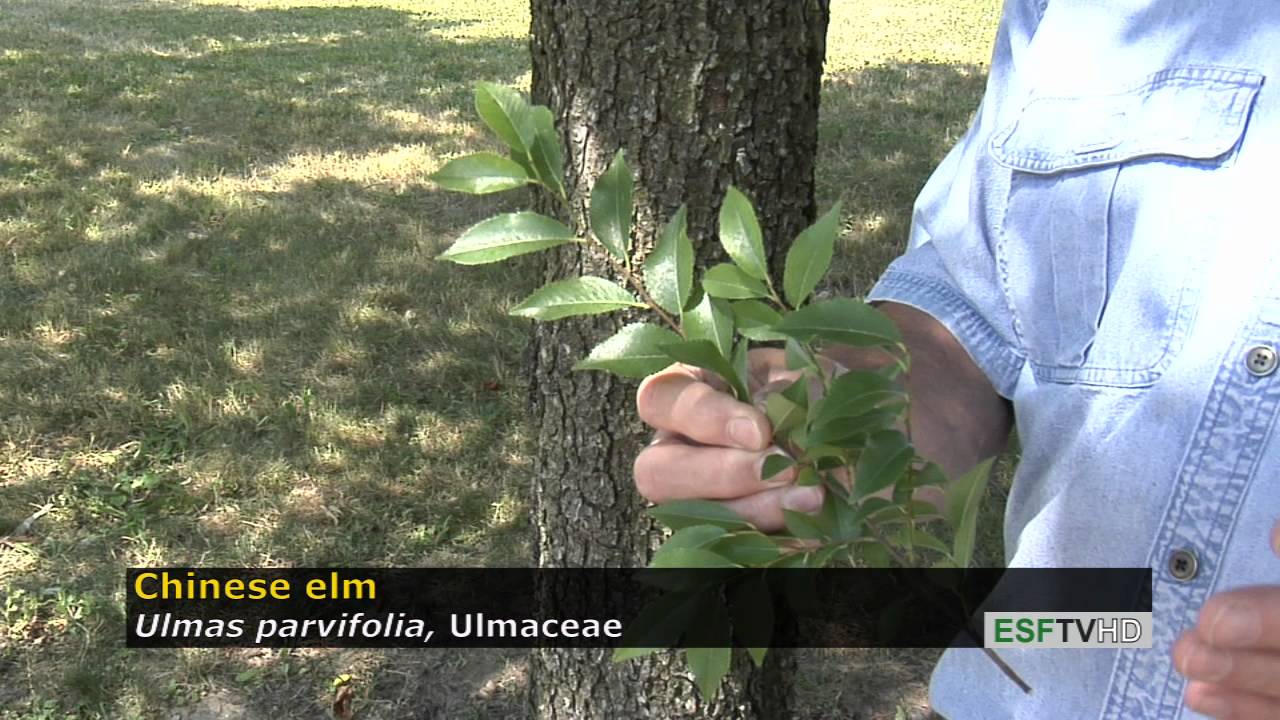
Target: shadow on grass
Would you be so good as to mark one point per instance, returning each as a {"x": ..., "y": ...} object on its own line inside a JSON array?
[{"x": 223, "y": 336}]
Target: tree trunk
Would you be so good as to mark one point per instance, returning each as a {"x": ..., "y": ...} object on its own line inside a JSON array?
[{"x": 700, "y": 94}]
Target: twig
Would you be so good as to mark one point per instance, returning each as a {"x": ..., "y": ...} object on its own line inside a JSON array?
[
  {"x": 24, "y": 527},
  {"x": 640, "y": 289}
]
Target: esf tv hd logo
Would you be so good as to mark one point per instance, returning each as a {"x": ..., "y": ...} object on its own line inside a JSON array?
[{"x": 1067, "y": 630}]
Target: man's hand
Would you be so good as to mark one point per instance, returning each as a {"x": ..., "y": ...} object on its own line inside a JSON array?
[
  {"x": 1232, "y": 655},
  {"x": 710, "y": 446}
]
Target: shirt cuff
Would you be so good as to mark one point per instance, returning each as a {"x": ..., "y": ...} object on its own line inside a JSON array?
[{"x": 1001, "y": 363}]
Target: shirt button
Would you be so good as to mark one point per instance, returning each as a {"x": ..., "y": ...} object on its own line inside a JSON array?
[
  {"x": 1261, "y": 361},
  {"x": 1183, "y": 564}
]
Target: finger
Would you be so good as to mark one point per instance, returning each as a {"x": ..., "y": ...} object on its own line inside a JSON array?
[
  {"x": 1247, "y": 618},
  {"x": 677, "y": 401},
  {"x": 1250, "y": 671},
  {"x": 1218, "y": 702},
  {"x": 671, "y": 469},
  {"x": 764, "y": 509},
  {"x": 1275, "y": 538}
]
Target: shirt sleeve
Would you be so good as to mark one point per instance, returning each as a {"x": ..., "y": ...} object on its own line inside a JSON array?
[{"x": 950, "y": 269}]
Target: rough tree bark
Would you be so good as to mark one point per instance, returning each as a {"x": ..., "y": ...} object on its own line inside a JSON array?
[{"x": 700, "y": 94}]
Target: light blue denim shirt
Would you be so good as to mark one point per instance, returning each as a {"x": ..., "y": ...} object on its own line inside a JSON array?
[{"x": 1104, "y": 242}]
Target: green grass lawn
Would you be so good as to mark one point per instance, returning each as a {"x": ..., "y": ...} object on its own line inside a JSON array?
[{"x": 224, "y": 340}]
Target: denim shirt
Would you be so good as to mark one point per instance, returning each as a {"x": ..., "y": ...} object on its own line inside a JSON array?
[{"x": 1104, "y": 243}]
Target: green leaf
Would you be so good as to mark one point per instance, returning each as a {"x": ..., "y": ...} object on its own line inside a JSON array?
[
  {"x": 963, "y": 503},
  {"x": 883, "y": 462},
  {"x": 679, "y": 514},
  {"x": 709, "y": 666},
  {"x": 585, "y": 295},
  {"x": 841, "y": 320},
  {"x": 810, "y": 256},
  {"x": 633, "y": 352},
  {"x": 755, "y": 320},
  {"x": 663, "y": 619},
  {"x": 752, "y": 607},
  {"x": 847, "y": 525},
  {"x": 798, "y": 391},
  {"x": 692, "y": 537},
  {"x": 730, "y": 282},
  {"x": 855, "y": 393},
  {"x": 921, "y": 539},
  {"x": 841, "y": 431},
  {"x": 548, "y": 160},
  {"x": 611, "y": 208},
  {"x": 711, "y": 320},
  {"x": 703, "y": 354},
  {"x": 782, "y": 413},
  {"x": 931, "y": 474},
  {"x": 506, "y": 236},
  {"x": 507, "y": 114},
  {"x": 741, "y": 360},
  {"x": 480, "y": 174},
  {"x": 808, "y": 476},
  {"x": 690, "y": 558},
  {"x": 874, "y": 555},
  {"x": 740, "y": 235},
  {"x": 668, "y": 269},
  {"x": 774, "y": 464},
  {"x": 876, "y": 507},
  {"x": 748, "y": 548},
  {"x": 798, "y": 357},
  {"x": 804, "y": 525}
]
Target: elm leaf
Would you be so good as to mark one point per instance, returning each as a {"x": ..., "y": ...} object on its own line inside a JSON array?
[
  {"x": 507, "y": 114},
  {"x": 882, "y": 463},
  {"x": 810, "y": 257},
  {"x": 740, "y": 234},
  {"x": 963, "y": 503},
  {"x": 587, "y": 295},
  {"x": 611, "y": 207},
  {"x": 679, "y": 514},
  {"x": 506, "y": 236},
  {"x": 668, "y": 269},
  {"x": 709, "y": 666},
  {"x": 729, "y": 281},
  {"x": 840, "y": 320},
  {"x": 704, "y": 354},
  {"x": 711, "y": 320},
  {"x": 480, "y": 174},
  {"x": 634, "y": 352},
  {"x": 755, "y": 320}
]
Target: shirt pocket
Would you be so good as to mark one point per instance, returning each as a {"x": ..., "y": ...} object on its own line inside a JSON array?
[{"x": 1099, "y": 241}]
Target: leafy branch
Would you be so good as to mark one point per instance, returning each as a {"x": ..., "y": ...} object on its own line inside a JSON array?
[{"x": 846, "y": 439}]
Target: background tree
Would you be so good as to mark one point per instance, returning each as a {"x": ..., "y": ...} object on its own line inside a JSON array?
[{"x": 700, "y": 94}]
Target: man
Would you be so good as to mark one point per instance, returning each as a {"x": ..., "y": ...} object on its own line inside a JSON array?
[{"x": 1098, "y": 261}]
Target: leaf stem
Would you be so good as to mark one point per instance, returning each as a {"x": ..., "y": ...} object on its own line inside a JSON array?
[
  {"x": 624, "y": 269},
  {"x": 638, "y": 286}
]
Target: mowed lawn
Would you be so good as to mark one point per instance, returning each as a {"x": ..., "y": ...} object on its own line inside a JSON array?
[{"x": 224, "y": 339}]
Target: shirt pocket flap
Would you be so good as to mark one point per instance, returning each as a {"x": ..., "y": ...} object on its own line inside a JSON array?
[{"x": 1197, "y": 113}]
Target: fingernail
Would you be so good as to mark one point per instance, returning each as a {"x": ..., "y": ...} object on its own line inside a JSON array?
[
  {"x": 1237, "y": 625},
  {"x": 743, "y": 432},
  {"x": 1211, "y": 704},
  {"x": 803, "y": 499},
  {"x": 1203, "y": 662}
]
